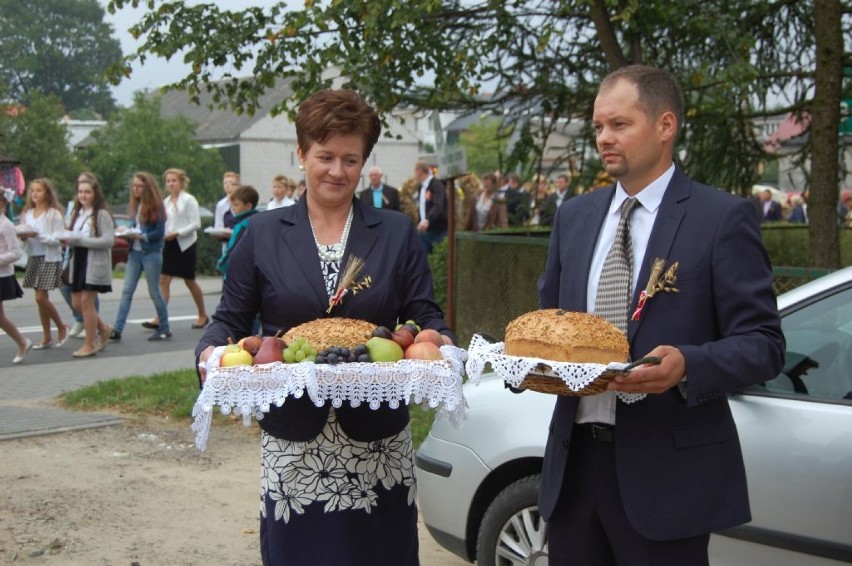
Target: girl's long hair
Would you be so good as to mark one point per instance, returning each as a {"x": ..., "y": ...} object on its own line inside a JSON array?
[
  {"x": 149, "y": 206},
  {"x": 51, "y": 200},
  {"x": 98, "y": 204}
]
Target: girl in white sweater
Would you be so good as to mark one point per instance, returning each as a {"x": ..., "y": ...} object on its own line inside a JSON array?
[
  {"x": 44, "y": 264},
  {"x": 10, "y": 252}
]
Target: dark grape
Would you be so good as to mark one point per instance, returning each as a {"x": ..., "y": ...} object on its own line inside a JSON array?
[
  {"x": 363, "y": 358},
  {"x": 321, "y": 359},
  {"x": 344, "y": 352},
  {"x": 332, "y": 357}
]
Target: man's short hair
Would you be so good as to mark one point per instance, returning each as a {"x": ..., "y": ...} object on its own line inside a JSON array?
[
  {"x": 232, "y": 174},
  {"x": 658, "y": 90},
  {"x": 423, "y": 167},
  {"x": 246, "y": 194}
]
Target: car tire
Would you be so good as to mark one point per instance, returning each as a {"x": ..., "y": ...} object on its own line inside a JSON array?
[{"x": 512, "y": 533}]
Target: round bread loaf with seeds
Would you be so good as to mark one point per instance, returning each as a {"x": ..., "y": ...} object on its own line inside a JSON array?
[
  {"x": 565, "y": 336},
  {"x": 324, "y": 333}
]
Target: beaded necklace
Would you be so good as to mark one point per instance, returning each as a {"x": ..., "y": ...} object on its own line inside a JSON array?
[{"x": 333, "y": 252}]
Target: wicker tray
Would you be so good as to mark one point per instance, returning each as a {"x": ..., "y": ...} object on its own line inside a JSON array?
[{"x": 544, "y": 383}]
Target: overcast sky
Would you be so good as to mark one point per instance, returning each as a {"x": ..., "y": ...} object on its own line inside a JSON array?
[{"x": 155, "y": 72}]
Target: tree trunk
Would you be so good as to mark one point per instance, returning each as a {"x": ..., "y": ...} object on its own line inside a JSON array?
[{"x": 824, "y": 244}]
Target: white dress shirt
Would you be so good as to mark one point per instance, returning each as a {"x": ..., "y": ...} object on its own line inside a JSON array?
[
  {"x": 422, "y": 199},
  {"x": 600, "y": 408}
]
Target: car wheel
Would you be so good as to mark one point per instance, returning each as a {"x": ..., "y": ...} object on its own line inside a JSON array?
[{"x": 512, "y": 533}]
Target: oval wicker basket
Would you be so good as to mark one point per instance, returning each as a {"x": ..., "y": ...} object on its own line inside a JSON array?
[{"x": 554, "y": 385}]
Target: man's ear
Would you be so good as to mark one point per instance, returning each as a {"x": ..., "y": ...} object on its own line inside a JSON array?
[{"x": 667, "y": 126}]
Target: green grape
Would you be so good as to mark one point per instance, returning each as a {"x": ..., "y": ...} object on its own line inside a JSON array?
[
  {"x": 289, "y": 356},
  {"x": 300, "y": 355}
]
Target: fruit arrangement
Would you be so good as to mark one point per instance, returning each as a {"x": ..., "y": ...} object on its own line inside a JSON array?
[{"x": 406, "y": 341}]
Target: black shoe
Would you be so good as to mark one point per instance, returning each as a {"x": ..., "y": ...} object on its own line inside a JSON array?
[
  {"x": 202, "y": 325},
  {"x": 150, "y": 325},
  {"x": 115, "y": 336},
  {"x": 160, "y": 337}
]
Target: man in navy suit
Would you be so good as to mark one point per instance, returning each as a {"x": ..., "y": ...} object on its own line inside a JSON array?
[
  {"x": 431, "y": 207},
  {"x": 646, "y": 482},
  {"x": 770, "y": 211}
]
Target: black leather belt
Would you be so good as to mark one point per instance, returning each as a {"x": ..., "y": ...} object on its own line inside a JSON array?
[{"x": 597, "y": 431}]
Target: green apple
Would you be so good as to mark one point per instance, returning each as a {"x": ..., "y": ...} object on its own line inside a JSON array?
[
  {"x": 383, "y": 350},
  {"x": 235, "y": 356}
]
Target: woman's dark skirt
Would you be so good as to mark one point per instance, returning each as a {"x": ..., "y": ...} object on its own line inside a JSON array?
[
  {"x": 178, "y": 263},
  {"x": 79, "y": 261},
  {"x": 9, "y": 288}
]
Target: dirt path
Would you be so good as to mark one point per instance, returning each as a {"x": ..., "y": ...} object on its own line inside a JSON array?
[{"x": 138, "y": 494}]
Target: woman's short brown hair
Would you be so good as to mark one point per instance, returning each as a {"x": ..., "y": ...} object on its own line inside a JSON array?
[{"x": 329, "y": 112}]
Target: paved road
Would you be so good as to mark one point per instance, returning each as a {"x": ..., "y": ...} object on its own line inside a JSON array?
[{"x": 27, "y": 390}]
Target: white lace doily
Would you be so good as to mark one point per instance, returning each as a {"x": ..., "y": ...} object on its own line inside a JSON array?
[
  {"x": 251, "y": 390},
  {"x": 513, "y": 369}
]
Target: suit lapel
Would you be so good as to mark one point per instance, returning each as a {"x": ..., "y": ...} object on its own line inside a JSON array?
[
  {"x": 587, "y": 237},
  {"x": 666, "y": 226},
  {"x": 299, "y": 239}
]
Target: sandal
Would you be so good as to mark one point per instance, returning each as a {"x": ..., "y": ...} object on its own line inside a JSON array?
[
  {"x": 81, "y": 354},
  {"x": 196, "y": 326},
  {"x": 64, "y": 339},
  {"x": 104, "y": 339},
  {"x": 43, "y": 345}
]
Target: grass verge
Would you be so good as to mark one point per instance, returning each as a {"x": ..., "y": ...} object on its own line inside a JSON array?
[{"x": 172, "y": 395}]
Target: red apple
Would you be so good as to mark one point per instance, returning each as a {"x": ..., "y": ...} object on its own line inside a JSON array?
[
  {"x": 250, "y": 344},
  {"x": 429, "y": 335},
  {"x": 403, "y": 337},
  {"x": 423, "y": 351}
]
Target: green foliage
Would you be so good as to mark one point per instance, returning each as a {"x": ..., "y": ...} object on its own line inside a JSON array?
[
  {"x": 541, "y": 61},
  {"x": 37, "y": 138},
  {"x": 484, "y": 145},
  {"x": 140, "y": 139},
  {"x": 208, "y": 252},
  {"x": 438, "y": 266},
  {"x": 59, "y": 47}
]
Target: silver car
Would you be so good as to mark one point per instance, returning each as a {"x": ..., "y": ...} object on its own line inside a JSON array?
[{"x": 478, "y": 485}]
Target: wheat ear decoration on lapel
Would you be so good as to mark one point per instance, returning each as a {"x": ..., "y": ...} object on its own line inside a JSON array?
[
  {"x": 656, "y": 271},
  {"x": 350, "y": 272}
]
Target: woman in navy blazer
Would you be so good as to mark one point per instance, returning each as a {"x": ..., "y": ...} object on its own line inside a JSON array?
[{"x": 337, "y": 483}]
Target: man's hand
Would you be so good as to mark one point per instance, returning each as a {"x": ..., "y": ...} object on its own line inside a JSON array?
[
  {"x": 423, "y": 225},
  {"x": 202, "y": 363},
  {"x": 653, "y": 378}
]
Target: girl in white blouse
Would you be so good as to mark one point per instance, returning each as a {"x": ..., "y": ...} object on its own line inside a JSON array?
[
  {"x": 179, "y": 251},
  {"x": 90, "y": 264},
  {"x": 44, "y": 264},
  {"x": 10, "y": 252}
]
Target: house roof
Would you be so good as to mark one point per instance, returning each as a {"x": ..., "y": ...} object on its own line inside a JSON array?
[
  {"x": 219, "y": 125},
  {"x": 789, "y": 129}
]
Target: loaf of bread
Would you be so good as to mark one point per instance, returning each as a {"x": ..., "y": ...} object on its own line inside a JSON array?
[
  {"x": 323, "y": 333},
  {"x": 565, "y": 336}
]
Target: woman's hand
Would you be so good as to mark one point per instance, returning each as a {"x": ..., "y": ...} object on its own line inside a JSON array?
[
  {"x": 202, "y": 363},
  {"x": 170, "y": 236}
]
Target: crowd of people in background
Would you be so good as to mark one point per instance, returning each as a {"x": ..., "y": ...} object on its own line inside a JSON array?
[{"x": 71, "y": 251}]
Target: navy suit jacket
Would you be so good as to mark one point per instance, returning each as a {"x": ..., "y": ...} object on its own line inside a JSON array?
[
  {"x": 274, "y": 271},
  {"x": 436, "y": 206},
  {"x": 679, "y": 463}
]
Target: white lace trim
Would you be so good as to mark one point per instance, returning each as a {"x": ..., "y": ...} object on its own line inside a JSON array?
[
  {"x": 252, "y": 390},
  {"x": 513, "y": 369}
]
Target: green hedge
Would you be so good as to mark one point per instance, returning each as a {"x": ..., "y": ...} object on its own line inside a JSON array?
[{"x": 209, "y": 250}]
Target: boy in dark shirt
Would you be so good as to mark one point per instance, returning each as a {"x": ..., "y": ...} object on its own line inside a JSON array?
[{"x": 244, "y": 201}]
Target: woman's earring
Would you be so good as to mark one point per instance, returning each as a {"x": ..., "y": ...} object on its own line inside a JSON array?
[{"x": 301, "y": 166}]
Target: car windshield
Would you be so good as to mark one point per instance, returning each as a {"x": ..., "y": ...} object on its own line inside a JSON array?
[{"x": 819, "y": 351}]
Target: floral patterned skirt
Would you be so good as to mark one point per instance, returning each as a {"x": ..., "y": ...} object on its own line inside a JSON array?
[{"x": 338, "y": 501}]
